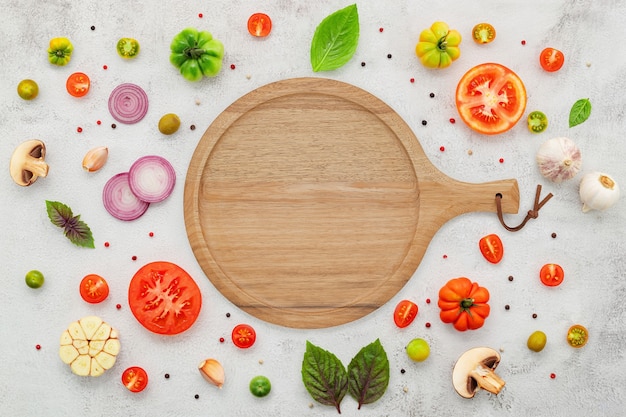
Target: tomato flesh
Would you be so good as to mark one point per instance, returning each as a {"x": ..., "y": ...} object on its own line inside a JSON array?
[
  {"x": 551, "y": 275},
  {"x": 259, "y": 25},
  {"x": 405, "y": 313},
  {"x": 94, "y": 289},
  {"x": 491, "y": 247},
  {"x": 78, "y": 84},
  {"x": 243, "y": 336},
  {"x": 164, "y": 298},
  {"x": 135, "y": 379},
  {"x": 551, "y": 59},
  {"x": 490, "y": 98}
]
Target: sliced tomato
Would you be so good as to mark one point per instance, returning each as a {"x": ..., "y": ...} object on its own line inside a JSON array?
[
  {"x": 259, "y": 25},
  {"x": 483, "y": 33},
  {"x": 537, "y": 121},
  {"x": 135, "y": 379},
  {"x": 551, "y": 275},
  {"x": 551, "y": 59},
  {"x": 164, "y": 298},
  {"x": 243, "y": 336},
  {"x": 94, "y": 289},
  {"x": 78, "y": 84},
  {"x": 490, "y": 98},
  {"x": 405, "y": 313},
  {"x": 491, "y": 247}
]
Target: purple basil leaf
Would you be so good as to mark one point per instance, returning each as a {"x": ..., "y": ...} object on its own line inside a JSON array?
[
  {"x": 79, "y": 233},
  {"x": 324, "y": 376},
  {"x": 368, "y": 374},
  {"x": 58, "y": 213}
]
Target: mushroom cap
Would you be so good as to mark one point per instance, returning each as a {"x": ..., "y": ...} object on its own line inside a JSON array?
[
  {"x": 462, "y": 380},
  {"x": 27, "y": 162}
]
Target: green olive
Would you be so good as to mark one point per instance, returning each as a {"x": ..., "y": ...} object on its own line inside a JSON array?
[
  {"x": 34, "y": 279},
  {"x": 169, "y": 124},
  {"x": 537, "y": 341}
]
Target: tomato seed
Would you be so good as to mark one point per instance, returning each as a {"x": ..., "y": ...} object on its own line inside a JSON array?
[
  {"x": 37, "y": 347},
  {"x": 79, "y": 129},
  {"x": 118, "y": 306},
  {"x": 441, "y": 148},
  {"x": 232, "y": 66}
]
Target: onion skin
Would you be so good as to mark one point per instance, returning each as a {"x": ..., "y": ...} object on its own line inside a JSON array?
[
  {"x": 598, "y": 191},
  {"x": 559, "y": 159}
]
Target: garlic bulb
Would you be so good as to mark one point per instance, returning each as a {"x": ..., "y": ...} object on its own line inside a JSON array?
[
  {"x": 559, "y": 159},
  {"x": 598, "y": 191}
]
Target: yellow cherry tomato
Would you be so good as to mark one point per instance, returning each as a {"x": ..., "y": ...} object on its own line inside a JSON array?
[
  {"x": 483, "y": 33},
  {"x": 27, "y": 89}
]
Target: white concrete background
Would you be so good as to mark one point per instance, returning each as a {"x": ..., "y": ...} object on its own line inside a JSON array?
[{"x": 590, "y": 246}]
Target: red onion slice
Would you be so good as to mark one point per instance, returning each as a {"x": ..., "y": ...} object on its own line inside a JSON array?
[
  {"x": 128, "y": 103},
  {"x": 120, "y": 201},
  {"x": 152, "y": 178}
]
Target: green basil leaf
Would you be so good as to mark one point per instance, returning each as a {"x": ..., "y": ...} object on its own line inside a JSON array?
[
  {"x": 368, "y": 374},
  {"x": 335, "y": 39},
  {"x": 324, "y": 376},
  {"x": 73, "y": 227},
  {"x": 581, "y": 110},
  {"x": 58, "y": 213}
]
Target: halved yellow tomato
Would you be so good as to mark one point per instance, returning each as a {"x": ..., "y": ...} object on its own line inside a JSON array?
[{"x": 490, "y": 98}]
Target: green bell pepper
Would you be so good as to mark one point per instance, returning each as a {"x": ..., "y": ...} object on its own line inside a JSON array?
[{"x": 196, "y": 54}]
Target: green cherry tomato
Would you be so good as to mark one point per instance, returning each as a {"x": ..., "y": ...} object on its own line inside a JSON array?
[
  {"x": 196, "y": 54},
  {"x": 127, "y": 48},
  {"x": 27, "y": 89},
  {"x": 537, "y": 122},
  {"x": 418, "y": 350},
  {"x": 60, "y": 51},
  {"x": 260, "y": 386},
  {"x": 537, "y": 341},
  {"x": 34, "y": 279}
]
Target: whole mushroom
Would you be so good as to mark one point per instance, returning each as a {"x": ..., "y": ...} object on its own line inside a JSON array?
[
  {"x": 28, "y": 162},
  {"x": 475, "y": 370}
]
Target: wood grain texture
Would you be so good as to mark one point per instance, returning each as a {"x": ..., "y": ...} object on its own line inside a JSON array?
[{"x": 309, "y": 202}]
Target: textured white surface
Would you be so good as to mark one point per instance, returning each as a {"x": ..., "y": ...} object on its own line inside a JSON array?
[{"x": 590, "y": 246}]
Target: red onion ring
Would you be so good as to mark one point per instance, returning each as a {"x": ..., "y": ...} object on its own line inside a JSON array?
[
  {"x": 128, "y": 103},
  {"x": 151, "y": 178},
  {"x": 120, "y": 201}
]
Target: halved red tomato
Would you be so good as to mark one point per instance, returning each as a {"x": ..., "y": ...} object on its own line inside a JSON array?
[
  {"x": 551, "y": 59},
  {"x": 243, "y": 336},
  {"x": 135, "y": 379},
  {"x": 78, "y": 84},
  {"x": 490, "y": 98},
  {"x": 551, "y": 275},
  {"x": 259, "y": 25},
  {"x": 164, "y": 298},
  {"x": 405, "y": 313},
  {"x": 491, "y": 248},
  {"x": 94, "y": 289}
]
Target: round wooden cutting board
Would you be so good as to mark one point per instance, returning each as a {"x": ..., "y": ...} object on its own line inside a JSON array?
[{"x": 309, "y": 202}]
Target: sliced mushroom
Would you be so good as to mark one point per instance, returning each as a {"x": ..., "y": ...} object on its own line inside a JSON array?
[
  {"x": 28, "y": 162},
  {"x": 475, "y": 370}
]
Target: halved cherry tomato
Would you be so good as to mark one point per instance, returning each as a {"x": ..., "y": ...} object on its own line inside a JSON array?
[
  {"x": 243, "y": 336},
  {"x": 259, "y": 25},
  {"x": 405, "y": 313},
  {"x": 483, "y": 33},
  {"x": 77, "y": 84},
  {"x": 551, "y": 59},
  {"x": 551, "y": 275},
  {"x": 577, "y": 336},
  {"x": 537, "y": 122},
  {"x": 135, "y": 379},
  {"x": 94, "y": 289},
  {"x": 490, "y": 98},
  {"x": 164, "y": 298},
  {"x": 127, "y": 48},
  {"x": 491, "y": 248}
]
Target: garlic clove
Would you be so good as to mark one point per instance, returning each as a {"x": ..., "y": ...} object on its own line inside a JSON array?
[
  {"x": 598, "y": 191},
  {"x": 95, "y": 159},
  {"x": 212, "y": 371},
  {"x": 559, "y": 159}
]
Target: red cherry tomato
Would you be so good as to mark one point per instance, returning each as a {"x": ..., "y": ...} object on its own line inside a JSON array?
[
  {"x": 77, "y": 84},
  {"x": 551, "y": 275},
  {"x": 164, "y": 298},
  {"x": 259, "y": 25},
  {"x": 491, "y": 248},
  {"x": 243, "y": 336},
  {"x": 490, "y": 98},
  {"x": 94, "y": 289},
  {"x": 551, "y": 59},
  {"x": 405, "y": 313},
  {"x": 135, "y": 379}
]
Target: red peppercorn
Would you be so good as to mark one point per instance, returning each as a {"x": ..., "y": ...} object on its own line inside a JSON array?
[
  {"x": 427, "y": 324},
  {"x": 118, "y": 306},
  {"x": 523, "y": 42},
  {"x": 441, "y": 148},
  {"x": 37, "y": 347},
  {"x": 221, "y": 340},
  {"x": 200, "y": 15},
  {"x": 428, "y": 301},
  {"x": 452, "y": 120},
  {"x": 151, "y": 234},
  {"x": 552, "y": 375},
  {"x": 106, "y": 244},
  {"x": 445, "y": 256},
  {"x": 232, "y": 66},
  {"x": 79, "y": 129},
  {"x": 412, "y": 80},
  {"x": 104, "y": 67},
  {"x": 134, "y": 258},
  {"x": 501, "y": 160},
  {"x": 381, "y": 30}
]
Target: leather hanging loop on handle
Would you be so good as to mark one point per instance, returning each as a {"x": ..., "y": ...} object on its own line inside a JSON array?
[{"x": 532, "y": 214}]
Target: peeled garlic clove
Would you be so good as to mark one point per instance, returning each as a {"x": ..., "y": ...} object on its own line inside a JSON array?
[
  {"x": 598, "y": 191},
  {"x": 559, "y": 159},
  {"x": 212, "y": 371},
  {"x": 95, "y": 159}
]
